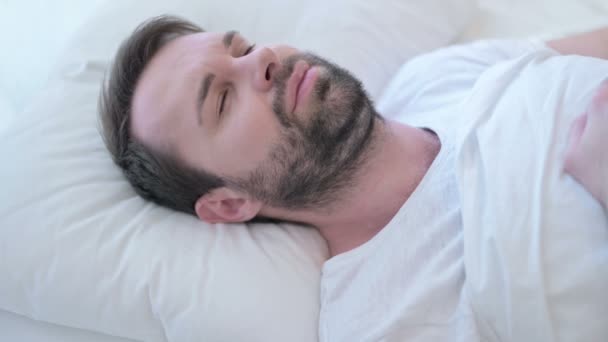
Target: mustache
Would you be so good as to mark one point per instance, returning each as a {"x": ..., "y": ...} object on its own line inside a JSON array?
[
  {"x": 282, "y": 76},
  {"x": 280, "y": 85}
]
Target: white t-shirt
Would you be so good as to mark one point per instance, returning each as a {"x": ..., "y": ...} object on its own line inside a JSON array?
[{"x": 406, "y": 283}]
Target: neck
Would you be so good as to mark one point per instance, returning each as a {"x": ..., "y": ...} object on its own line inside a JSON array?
[{"x": 389, "y": 175}]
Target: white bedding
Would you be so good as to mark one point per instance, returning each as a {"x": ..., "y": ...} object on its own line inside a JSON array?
[
  {"x": 35, "y": 37},
  {"x": 535, "y": 18},
  {"x": 16, "y": 328},
  {"x": 7, "y": 111},
  {"x": 536, "y": 243},
  {"x": 496, "y": 20}
]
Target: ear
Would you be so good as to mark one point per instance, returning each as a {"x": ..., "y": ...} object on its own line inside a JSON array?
[{"x": 224, "y": 205}]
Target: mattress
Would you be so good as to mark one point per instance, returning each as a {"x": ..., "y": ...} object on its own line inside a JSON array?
[{"x": 496, "y": 19}]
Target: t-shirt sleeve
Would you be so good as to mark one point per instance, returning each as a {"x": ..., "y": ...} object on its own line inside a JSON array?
[{"x": 444, "y": 77}]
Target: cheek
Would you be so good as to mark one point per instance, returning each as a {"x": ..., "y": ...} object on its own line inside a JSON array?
[{"x": 247, "y": 137}]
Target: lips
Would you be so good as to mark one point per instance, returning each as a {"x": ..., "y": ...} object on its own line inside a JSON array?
[
  {"x": 306, "y": 85},
  {"x": 294, "y": 83}
]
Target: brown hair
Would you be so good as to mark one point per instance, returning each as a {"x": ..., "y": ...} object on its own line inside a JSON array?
[{"x": 155, "y": 175}]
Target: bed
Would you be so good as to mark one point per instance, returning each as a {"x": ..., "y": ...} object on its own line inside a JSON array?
[{"x": 39, "y": 302}]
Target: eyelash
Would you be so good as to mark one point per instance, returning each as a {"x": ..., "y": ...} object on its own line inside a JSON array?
[
  {"x": 222, "y": 100},
  {"x": 249, "y": 49},
  {"x": 225, "y": 93}
]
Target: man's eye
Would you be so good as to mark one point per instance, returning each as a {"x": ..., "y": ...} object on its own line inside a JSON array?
[
  {"x": 249, "y": 49},
  {"x": 222, "y": 101}
]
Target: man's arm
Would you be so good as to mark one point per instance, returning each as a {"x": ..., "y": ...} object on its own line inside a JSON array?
[{"x": 591, "y": 44}]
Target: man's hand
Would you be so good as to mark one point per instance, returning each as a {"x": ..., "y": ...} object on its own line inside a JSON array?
[
  {"x": 587, "y": 151},
  {"x": 591, "y": 44}
]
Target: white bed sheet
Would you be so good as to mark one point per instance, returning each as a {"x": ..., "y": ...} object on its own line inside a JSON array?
[{"x": 496, "y": 19}]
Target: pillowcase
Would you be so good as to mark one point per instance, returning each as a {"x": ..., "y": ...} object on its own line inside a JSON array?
[
  {"x": 33, "y": 38},
  {"x": 79, "y": 248},
  {"x": 7, "y": 112}
]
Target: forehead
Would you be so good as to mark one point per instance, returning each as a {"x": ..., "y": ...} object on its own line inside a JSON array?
[
  {"x": 168, "y": 82},
  {"x": 188, "y": 47},
  {"x": 183, "y": 55}
]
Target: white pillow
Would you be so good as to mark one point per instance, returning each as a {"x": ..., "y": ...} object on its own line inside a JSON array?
[
  {"x": 78, "y": 247},
  {"x": 7, "y": 112},
  {"x": 370, "y": 38},
  {"x": 33, "y": 47}
]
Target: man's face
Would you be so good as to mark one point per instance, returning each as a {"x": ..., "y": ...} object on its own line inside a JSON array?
[{"x": 287, "y": 127}]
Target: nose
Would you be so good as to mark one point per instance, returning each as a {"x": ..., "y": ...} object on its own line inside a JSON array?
[{"x": 263, "y": 63}]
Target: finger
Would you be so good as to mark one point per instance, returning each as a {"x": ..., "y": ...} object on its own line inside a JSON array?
[
  {"x": 576, "y": 131},
  {"x": 602, "y": 94},
  {"x": 599, "y": 105},
  {"x": 595, "y": 131},
  {"x": 572, "y": 153}
]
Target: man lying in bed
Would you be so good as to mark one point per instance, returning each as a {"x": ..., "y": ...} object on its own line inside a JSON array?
[{"x": 211, "y": 125}]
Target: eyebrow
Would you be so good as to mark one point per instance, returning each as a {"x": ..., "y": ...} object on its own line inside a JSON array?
[
  {"x": 208, "y": 80},
  {"x": 202, "y": 95},
  {"x": 227, "y": 40}
]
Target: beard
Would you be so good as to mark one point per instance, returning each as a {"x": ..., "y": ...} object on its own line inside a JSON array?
[{"x": 322, "y": 146}]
